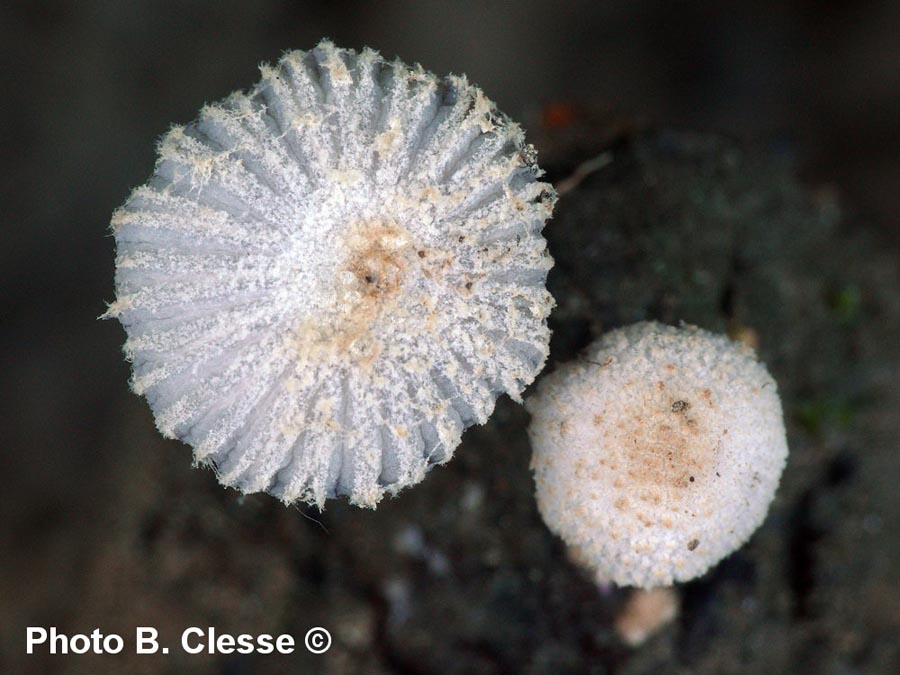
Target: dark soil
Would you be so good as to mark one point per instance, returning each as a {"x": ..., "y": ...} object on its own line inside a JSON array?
[{"x": 459, "y": 574}]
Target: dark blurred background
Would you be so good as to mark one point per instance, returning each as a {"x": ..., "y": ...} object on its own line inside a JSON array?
[{"x": 88, "y": 86}]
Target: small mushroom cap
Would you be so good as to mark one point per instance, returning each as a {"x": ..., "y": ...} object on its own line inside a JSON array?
[
  {"x": 658, "y": 453},
  {"x": 330, "y": 276}
]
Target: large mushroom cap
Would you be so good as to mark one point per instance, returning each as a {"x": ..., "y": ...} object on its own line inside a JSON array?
[
  {"x": 658, "y": 453},
  {"x": 330, "y": 276}
]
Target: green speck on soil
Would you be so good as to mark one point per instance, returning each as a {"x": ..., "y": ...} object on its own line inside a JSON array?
[
  {"x": 821, "y": 415},
  {"x": 846, "y": 304}
]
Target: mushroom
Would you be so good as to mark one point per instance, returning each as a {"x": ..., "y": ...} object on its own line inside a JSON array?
[
  {"x": 330, "y": 276},
  {"x": 658, "y": 453}
]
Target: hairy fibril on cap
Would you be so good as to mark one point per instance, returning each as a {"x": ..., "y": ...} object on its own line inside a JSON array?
[
  {"x": 330, "y": 276},
  {"x": 658, "y": 453}
]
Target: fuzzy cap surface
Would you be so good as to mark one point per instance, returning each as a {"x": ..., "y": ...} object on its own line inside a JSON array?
[{"x": 657, "y": 453}]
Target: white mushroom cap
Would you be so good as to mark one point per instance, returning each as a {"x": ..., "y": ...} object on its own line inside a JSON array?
[
  {"x": 331, "y": 275},
  {"x": 658, "y": 453}
]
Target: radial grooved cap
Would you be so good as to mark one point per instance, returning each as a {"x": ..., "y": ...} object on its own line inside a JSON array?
[
  {"x": 330, "y": 276},
  {"x": 658, "y": 453}
]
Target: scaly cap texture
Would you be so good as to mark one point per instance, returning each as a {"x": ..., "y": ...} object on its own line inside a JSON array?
[
  {"x": 330, "y": 276},
  {"x": 657, "y": 454}
]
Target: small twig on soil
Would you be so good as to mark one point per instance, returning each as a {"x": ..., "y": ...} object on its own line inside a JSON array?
[
  {"x": 309, "y": 517},
  {"x": 583, "y": 170}
]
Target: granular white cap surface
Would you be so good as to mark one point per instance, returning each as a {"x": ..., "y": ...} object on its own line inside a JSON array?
[
  {"x": 658, "y": 453},
  {"x": 330, "y": 276}
]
